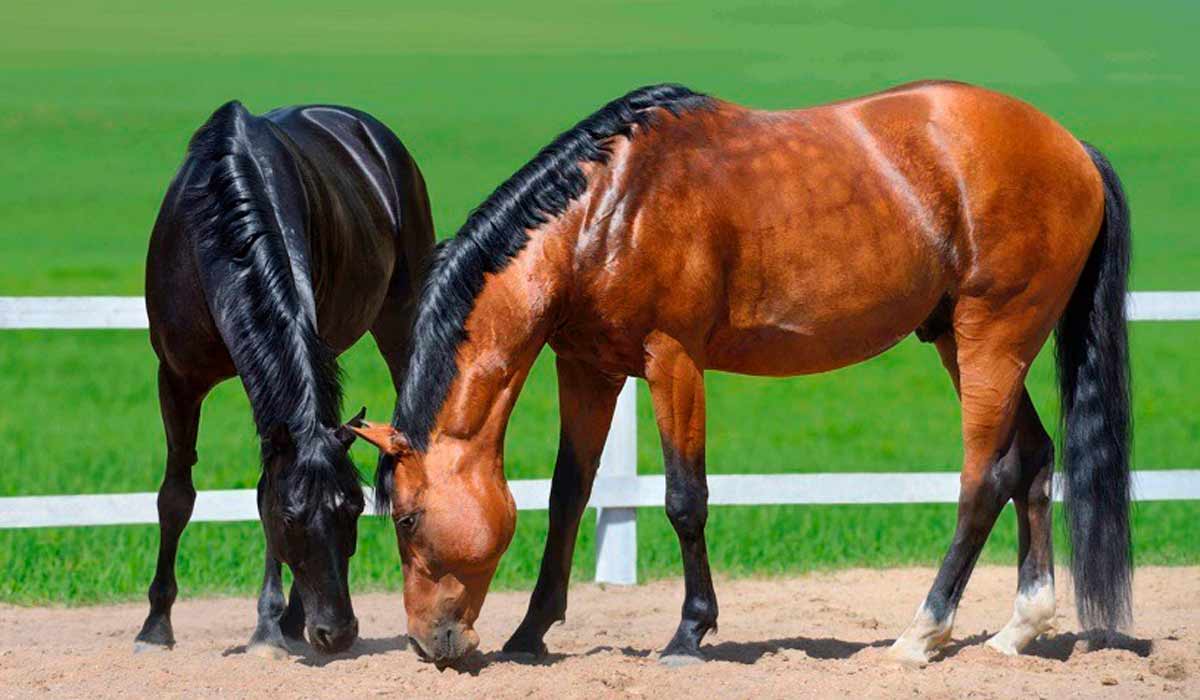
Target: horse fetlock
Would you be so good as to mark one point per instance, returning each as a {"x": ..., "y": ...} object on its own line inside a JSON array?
[
  {"x": 162, "y": 597},
  {"x": 700, "y": 615}
]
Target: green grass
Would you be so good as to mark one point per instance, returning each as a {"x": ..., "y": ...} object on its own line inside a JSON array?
[{"x": 97, "y": 101}]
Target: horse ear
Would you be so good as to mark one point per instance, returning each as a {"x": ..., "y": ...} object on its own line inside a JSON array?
[
  {"x": 345, "y": 433},
  {"x": 384, "y": 436}
]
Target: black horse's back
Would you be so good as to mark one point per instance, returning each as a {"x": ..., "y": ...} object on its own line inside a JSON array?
[{"x": 343, "y": 221}]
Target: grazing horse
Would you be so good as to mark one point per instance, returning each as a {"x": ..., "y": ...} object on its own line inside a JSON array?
[
  {"x": 280, "y": 242},
  {"x": 670, "y": 233}
]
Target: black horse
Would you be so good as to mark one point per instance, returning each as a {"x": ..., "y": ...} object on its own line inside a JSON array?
[{"x": 281, "y": 240}]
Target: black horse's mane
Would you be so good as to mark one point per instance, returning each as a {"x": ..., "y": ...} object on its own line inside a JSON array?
[
  {"x": 290, "y": 374},
  {"x": 494, "y": 234}
]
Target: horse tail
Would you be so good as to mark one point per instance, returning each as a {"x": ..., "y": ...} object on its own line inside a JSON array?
[{"x": 1096, "y": 427}]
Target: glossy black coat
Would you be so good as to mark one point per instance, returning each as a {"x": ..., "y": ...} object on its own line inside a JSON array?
[{"x": 280, "y": 242}]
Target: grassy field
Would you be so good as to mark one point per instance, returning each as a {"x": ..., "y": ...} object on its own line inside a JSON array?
[{"x": 97, "y": 102}]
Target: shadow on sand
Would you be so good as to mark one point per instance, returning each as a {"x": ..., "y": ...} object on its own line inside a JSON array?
[
  {"x": 361, "y": 647},
  {"x": 1059, "y": 647}
]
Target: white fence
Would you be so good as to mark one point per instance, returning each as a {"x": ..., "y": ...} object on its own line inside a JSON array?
[{"x": 618, "y": 491}]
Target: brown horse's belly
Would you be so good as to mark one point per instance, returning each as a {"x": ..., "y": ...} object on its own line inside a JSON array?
[
  {"x": 826, "y": 297},
  {"x": 816, "y": 342}
]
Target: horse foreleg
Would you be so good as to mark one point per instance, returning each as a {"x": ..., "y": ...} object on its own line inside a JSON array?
[
  {"x": 990, "y": 376},
  {"x": 268, "y": 639},
  {"x": 586, "y": 400},
  {"x": 1033, "y": 610},
  {"x": 180, "y": 406},
  {"x": 292, "y": 622},
  {"x": 677, "y": 391}
]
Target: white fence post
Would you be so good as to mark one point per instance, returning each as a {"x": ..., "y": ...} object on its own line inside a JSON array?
[{"x": 616, "y": 528}]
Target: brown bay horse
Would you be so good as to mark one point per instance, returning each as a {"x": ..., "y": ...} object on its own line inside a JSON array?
[
  {"x": 281, "y": 240},
  {"x": 670, "y": 233}
]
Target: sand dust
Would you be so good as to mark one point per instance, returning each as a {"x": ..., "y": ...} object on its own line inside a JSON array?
[{"x": 821, "y": 635}]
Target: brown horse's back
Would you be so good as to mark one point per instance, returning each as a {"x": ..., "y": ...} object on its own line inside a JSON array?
[{"x": 783, "y": 243}]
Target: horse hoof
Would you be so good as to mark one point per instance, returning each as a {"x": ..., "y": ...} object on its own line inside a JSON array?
[
  {"x": 140, "y": 647},
  {"x": 267, "y": 651},
  {"x": 1002, "y": 644},
  {"x": 521, "y": 657},
  {"x": 907, "y": 655},
  {"x": 680, "y": 660},
  {"x": 516, "y": 650}
]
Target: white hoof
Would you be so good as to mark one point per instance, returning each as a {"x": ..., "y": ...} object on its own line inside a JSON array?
[
  {"x": 149, "y": 648},
  {"x": 906, "y": 653},
  {"x": 922, "y": 639},
  {"x": 679, "y": 660},
  {"x": 1033, "y": 615},
  {"x": 1003, "y": 643},
  {"x": 267, "y": 651}
]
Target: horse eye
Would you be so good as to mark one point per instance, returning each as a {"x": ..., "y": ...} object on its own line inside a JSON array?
[{"x": 408, "y": 522}]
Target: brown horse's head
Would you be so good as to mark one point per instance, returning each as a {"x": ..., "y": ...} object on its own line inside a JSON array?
[{"x": 453, "y": 523}]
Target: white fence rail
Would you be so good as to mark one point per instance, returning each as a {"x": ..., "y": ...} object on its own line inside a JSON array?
[
  {"x": 130, "y": 312},
  {"x": 618, "y": 491},
  {"x": 609, "y": 494}
]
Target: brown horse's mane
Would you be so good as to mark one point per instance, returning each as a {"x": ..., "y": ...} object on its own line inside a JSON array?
[{"x": 495, "y": 233}]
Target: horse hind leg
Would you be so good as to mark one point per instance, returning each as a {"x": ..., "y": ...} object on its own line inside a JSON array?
[
  {"x": 1033, "y": 609},
  {"x": 988, "y": 362},
  {"x": 180, "y": 405}
]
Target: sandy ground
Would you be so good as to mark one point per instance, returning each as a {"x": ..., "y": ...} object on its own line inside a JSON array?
[{"x": 821, "y": 635}]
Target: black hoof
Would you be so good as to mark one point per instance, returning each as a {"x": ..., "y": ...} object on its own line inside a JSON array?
[
  {"x": 156, "y": 635},
  {"x": 684, "y": 650},
  {"x": 522, "y": 647}
]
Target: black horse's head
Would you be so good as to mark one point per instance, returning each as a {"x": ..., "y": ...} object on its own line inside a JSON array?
[{"x": 309, "y": 499}]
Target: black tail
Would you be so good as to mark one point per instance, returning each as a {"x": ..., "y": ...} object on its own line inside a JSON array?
[{"x": 1093, "y": 378}]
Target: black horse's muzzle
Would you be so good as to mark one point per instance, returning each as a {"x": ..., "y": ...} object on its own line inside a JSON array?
[{"x": 331, "y": 639}]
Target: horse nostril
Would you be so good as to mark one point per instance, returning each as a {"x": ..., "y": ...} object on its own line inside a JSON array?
[{"x": 333, "y": 639}]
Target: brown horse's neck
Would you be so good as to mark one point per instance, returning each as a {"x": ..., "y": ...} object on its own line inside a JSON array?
[{"x": 512, "y": 319}]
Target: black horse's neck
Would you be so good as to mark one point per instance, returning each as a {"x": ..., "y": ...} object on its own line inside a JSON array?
[{"x": 258, "y": 283}]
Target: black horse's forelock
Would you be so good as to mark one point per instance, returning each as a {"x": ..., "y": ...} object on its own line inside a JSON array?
[
  {"x": 494, "y": 234},
  {"x": 290, "y": 374}
]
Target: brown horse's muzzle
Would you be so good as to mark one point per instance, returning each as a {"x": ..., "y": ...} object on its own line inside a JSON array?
[{"x": 447, "y": 642}]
